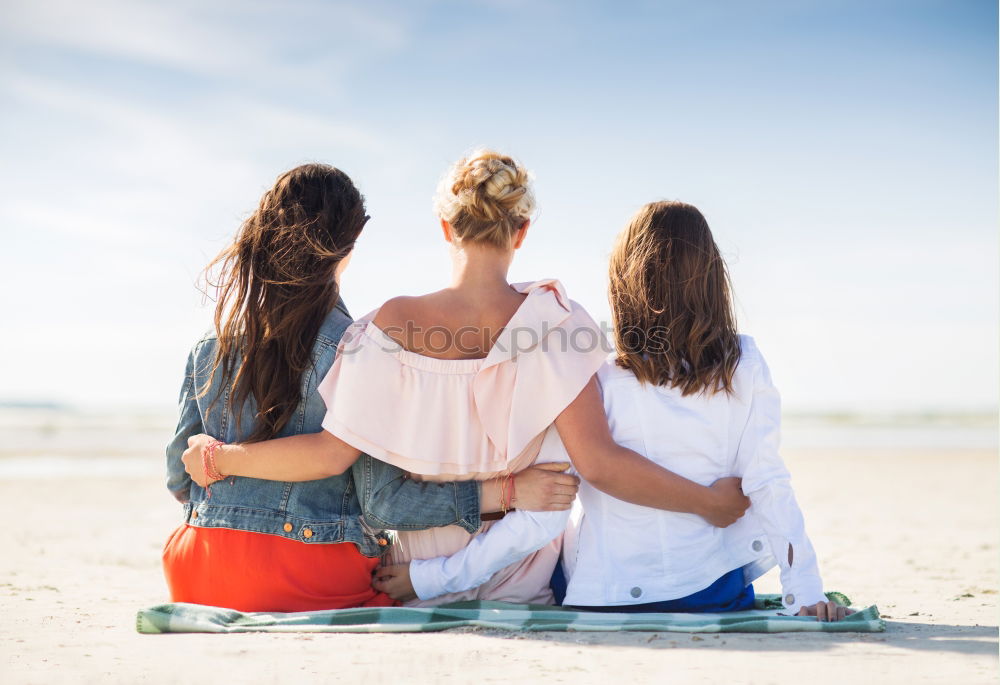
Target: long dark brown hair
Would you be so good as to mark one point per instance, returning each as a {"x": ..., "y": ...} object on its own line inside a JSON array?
[
  {"x": 275, "y": 286},
  {"x": 671, "y": 301}
]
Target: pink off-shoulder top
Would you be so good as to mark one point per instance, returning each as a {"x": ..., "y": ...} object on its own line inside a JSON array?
[{"x": 466, "y": 419}]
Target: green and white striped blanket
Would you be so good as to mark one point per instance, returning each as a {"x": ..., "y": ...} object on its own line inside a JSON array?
[{"x": 763, "y": 618}]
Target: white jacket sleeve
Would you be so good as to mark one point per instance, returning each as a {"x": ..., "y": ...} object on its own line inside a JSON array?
[
  {"x": 509, "y": 540},
  {"x": 767, "y": 483}
]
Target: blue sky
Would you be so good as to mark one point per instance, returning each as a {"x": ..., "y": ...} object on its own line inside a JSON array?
[{"x": 845, "y": 154}]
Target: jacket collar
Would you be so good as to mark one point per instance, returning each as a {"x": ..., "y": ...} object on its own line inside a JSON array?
[{"x": 340, "y": 306}]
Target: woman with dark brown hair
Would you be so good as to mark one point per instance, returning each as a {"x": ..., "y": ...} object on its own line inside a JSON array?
[
  {"x": 693, "y": 396},
  {"x": 273, "y": 545}
]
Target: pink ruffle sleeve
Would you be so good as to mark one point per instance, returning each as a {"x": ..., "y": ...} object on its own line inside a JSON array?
[{"x": 464, "y": 418}]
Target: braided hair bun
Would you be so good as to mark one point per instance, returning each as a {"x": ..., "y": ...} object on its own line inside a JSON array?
[{"x": 486, "y": 197}]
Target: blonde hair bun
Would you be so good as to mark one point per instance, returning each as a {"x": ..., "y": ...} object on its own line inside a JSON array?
[{"x": 486, "y": 197}]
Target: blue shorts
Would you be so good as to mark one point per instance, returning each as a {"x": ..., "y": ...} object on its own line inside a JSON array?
[{"x": 728, "y": 593}]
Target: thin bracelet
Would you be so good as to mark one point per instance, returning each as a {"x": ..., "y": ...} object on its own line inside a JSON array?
[
  {"x": 506, "y": 495},
  {"x": 508, "y": 479},
  {"x": 513, "y": 490},
  {"x": 503, "y": 495}
]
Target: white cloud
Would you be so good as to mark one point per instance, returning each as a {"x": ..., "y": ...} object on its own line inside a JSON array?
[
  {"x": 264, "y": 40},
  {"x": 153, "y": 173},
  {"x": 158, "y": 33}
]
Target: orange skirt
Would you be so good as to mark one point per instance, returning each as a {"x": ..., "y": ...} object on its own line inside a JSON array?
[{"x": 247, "y": 571}]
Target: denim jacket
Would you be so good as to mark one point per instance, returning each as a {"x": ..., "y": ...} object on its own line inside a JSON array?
[{"x": 354, "y": 507}]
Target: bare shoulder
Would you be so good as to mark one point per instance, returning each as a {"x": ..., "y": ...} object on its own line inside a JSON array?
[
  {"x": 395, "y": 310},
  {"x": 402, "y": 317}
]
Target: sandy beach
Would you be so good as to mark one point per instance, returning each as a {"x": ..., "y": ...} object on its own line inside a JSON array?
[
  {"x": 911, "y": 530},
  {"x": 535, "y": 179}
]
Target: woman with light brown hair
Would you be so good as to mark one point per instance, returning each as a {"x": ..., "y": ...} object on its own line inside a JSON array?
[
  {"x": 474, "y": 382},
  {"x": 693, "y": 396}
]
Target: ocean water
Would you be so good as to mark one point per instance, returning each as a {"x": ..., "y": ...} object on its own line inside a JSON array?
[
  {"x": 50, "y": 442},
  {"x": 43, "y": 442},
  {"x": 966, "y": 432}
]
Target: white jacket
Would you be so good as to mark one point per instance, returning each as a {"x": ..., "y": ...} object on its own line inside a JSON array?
[{"x": 620, "y": 553}]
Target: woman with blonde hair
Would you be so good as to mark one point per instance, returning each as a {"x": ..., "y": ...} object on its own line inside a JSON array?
[{"x": 476, "y": 381}]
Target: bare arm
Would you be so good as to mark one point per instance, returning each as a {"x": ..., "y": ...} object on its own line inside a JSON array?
[
  {"x": 629, "y": 476},
  {"x": 542, "y": 487},
  {"x": 309, "y": 456},
  {"x": 312, "y": 456}
]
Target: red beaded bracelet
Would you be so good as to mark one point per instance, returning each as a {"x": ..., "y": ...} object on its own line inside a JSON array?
[{"x": 209, "y": 465}]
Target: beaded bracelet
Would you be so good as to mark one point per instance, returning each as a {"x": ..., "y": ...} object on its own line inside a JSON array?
[{"x": 209, "y": 465}]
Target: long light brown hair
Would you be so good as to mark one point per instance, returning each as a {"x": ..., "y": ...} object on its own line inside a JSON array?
[
  {"x": 671, "y": 302},
  {"x": 276, "y": 285}
]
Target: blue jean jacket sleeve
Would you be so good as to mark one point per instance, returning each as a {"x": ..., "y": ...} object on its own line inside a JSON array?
[
  {"x": 189, "y": 423},
  {"x": 391, "y": 499}
]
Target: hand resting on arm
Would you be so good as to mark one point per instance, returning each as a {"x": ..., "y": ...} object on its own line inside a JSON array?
[
  {"x": 312, "y": 456},
  {"x": 628, "y": 476}
]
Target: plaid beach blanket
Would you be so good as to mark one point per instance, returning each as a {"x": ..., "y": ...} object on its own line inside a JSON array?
[{"x": 763, "y": 618}]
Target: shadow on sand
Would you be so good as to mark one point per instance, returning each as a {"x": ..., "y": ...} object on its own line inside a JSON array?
[{"x": 925, "y": 637}]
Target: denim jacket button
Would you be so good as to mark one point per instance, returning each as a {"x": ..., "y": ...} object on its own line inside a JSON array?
[
  {"x": 307, "y": 532},
  {"x": 287, "y": 527},
  {"x": 382, "y": 542},
  {"x": 194, "y": 514}
]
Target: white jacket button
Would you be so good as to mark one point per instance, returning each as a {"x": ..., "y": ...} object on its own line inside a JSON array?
[
  {"x": 757, "y": 545},
  {"x": 789, "y": 599},
  {"x": 636, "y": 592}
]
